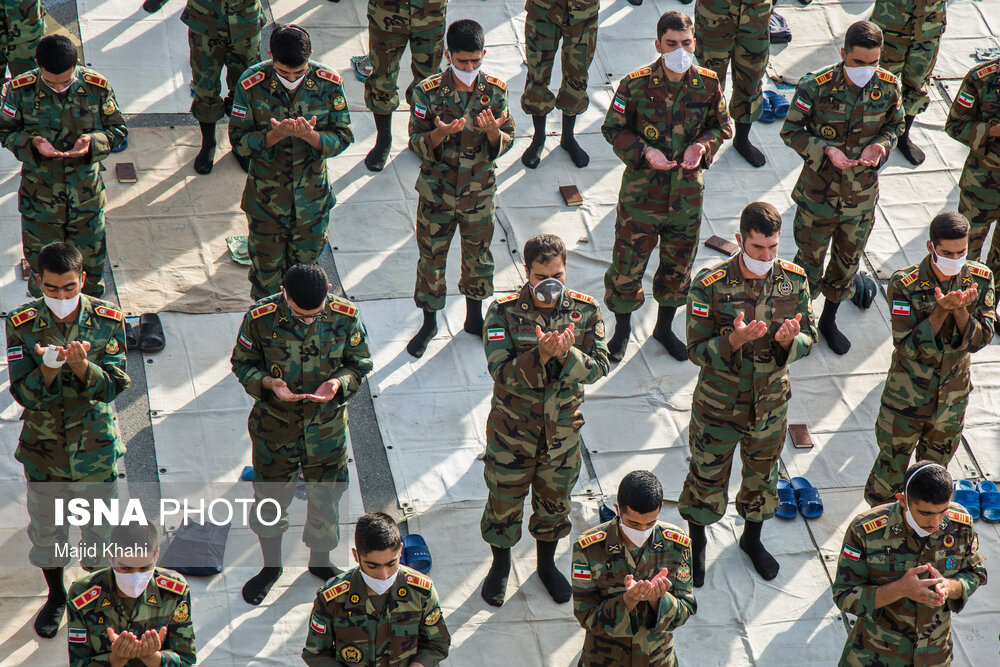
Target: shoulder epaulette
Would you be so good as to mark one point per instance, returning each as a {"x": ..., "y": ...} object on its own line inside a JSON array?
[
  {"x": 794, "y": 268},
  {"x": 95, "y": 79},
  {"x": 960, "y": 517},
  {"x": 343, "y": 308},
  {"x": 704, "y": 71},
  {"x": 509, "y": 297},
  {"x": 261, "y": 311},
  {"x": 980, "y": 271},
  {"x": 24, "y": 80},
  {"x": 110, "y": 313},
  {"x": 583, "y": 297},
  {"x": 713, "y": 277},
  {"x": 329, "y": 76},
  {"x": 418, "y": 580},
  {"x": 171, "y": 584},
  {"x": 910, "y": 278},
  {"x": 875, "y": 524},
  {"x": 679, "y": 538},
  {"x": 431, "y": 83},
  {"x": 252, "y": 80},
  {"x": 825, "y": 77},
  {"x": 641, "y": 72},
  {"x": 593, "y": 538},
  {"x": 502, "y": 85},
  {"x": 86, "y": 597},
  {"x": 24, "y": 316},
  {"x": 885, "y": 75},
  {"x": 980, "y": 73},
  {"x": 336, "y": 589}
]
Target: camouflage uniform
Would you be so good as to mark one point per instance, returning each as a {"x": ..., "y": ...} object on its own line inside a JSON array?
[
  {"x": 345, "y": 628},
  {"x": 391, "y": 25},
  {"x": 95, "y": 605},
  {"x": 650, "y": 111},
  {"x": 457, "y": 184},
  {"x": 307, "y": 434},
  {"x": 911, "y": 32},
  {"x": 62, "y": 199},
  {"x": 974, "y": 111},
  {"x": 288, "y": 196},
  {"x": 548, "y": 21},
  {"x": 644, "y": 636},
  {"x": 533, "y": 431},
  {"x": 735, "y": 31},
  {"x": 837, "y": 207},
  {"x": 69, "y": 444},
  {"x": 742, "y": 395},
  {"x": 220, "y": 32},
  {"x": 878, "y": 549},
  {"x": 929, "y": 382},
  {"x": 22, "y": 24}
]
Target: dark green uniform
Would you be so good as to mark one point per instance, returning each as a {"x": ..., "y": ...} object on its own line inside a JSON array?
[
  {"x": 22, "y": 24},
  {"x": 643, "y": 637},
  {"x": 96, "y": 604},
  {"x": 911, "y": 30},
  {"x": 313, "y": 436},
  {"x": 533, "y": 430},
  {"x": 62, "y": 199},
  {"x": 348, "y": 626},
  {"x": 574, "y": 22},
  {"x": 288, "y": 196}
]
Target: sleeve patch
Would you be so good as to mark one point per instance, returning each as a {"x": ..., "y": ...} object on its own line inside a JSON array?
[
  {"x": 15, "y": 353},
  {"x": 252, "y": 80},
  {"x": 25, "y": 80},
  {"x": 704, "y": 71},
  {"x": 317, "y": 626},
  {"x": 495, "y": 334},
  {"x": 910, "y": 278},
  {"x": 960, "y": 517},
  {"x": 77, "y": 635},
  {"x": 699, "y": 309},
  {"x": 431, "y": 84},
  {"x": 677, "y": 537},
  {"x": 419, "y": 111},
  {"x": 888, "y": 77},
  {"x": 261, "y": 311},
  {"x": 802, "y": 105},
  {"x": 245, "y": 341},
  {"x": 985, "y": 71},
  {"x": 713, "y": 277},
  {"x": 824, "y": 78},
  {"x": 965, "y": 99},
  {"x": 414, "y": 579},
  {"x": 582, "y": 572},
  {"x": 641, "y": 72},
  {"x": 794, "y": 268},
  {"x": 586, "y": 540},
  {"x": 9, "y": 110},
  {"x": 433, "y": 617},
  {"x": 583, "y": 297},
  {"x": 24, "y": 316},
  {"x": 339, "y": 589},
  {"x": 170, "y": 584},
  {"x": 86, "y": 597},
  {"x": 109, "y": 313},
  {"x": 875, "y": 524},
  {"x": 851, "y": 553},
  {"x": 618, "y": 105},
  {"x": 502, "y": 85},
  {"x": 329, "y": 76},
  {"x": 343, "y": 308}
]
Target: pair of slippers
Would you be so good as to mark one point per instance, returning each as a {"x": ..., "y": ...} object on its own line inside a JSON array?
[
  {"x": 147, "y": 336},
  {"x": 773, "y": 106},
  {"x": 979, "y": 500},
  {"x": 796, "y": 496}
]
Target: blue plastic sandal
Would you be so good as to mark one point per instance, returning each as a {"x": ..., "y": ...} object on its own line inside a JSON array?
[
  {"x": 416, "y": 555},
  {"x": 989, "y": 500},
  {"x": 807, "y": 498},
  {"x": 967, "y": 496},
  {"x": 767, "y": 111},
  {"x": 778, "y": 103},
  {"x": 786, "y": 501}
]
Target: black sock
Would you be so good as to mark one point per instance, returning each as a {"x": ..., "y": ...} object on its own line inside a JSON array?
[
  {"x": 554, "y": 580},
  {"x": 765, "y": 564},
  {"x": 619, "y": 342},
  {"x": 495, "y": 584},
  {"x": 418, "y": 344},
  {"x": 205, "y": 159},
  {"x": 698, "y": 543},
  {"x": 828, "y": 327},
  {"x": 473, "y": 316},
  {"x": 375, "y": 160},
  {"x": 913, "y": 154},
  {"x": 533, "y": 154},
  {"x": 663, "y": 333},
  {"x": 745, "y": 148},
  {"x": 319, "y": 565},
  {"x": 50, "y": 615},
  {"x": 257, "y": 588},
  {"x": 570, "y": 144}
]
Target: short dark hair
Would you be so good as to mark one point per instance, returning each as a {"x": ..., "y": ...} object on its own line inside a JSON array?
[
  {"x": 760, "y": 217},
  {"x": 376, "y": 531},
  {"x": 465, "y": 35},
  {"x": 56, "y": 54},
  {"x": 59, "y": 258},
  {"x": 641, "y": 492},
  {"x": 136, "y": 535},
  {"x": 673, "y": 20},
  {"x": 290, "y": 45},
  {"x": 949, "y": 226},
  {"x": 865, "y": 34},
  {"x": 306, "y": 285},
  {"x": 927, "y": 482},
  {"x": 543, "y": 248}
]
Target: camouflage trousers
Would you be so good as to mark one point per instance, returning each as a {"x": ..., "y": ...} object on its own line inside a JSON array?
[
  {"x": 644, "y": 218},
  {"x": 868, "y": 646},
  {"x": 85, "y": 230},
  {"x": 846, "y": 237},
  {"x": 45, "y": 535},
  {"x": 979, "y": 202},
  {"x": 17, "y": 46},
  {"x": 386, "y": 49},
  {"x": 579, "y": 43},
  {"x": 516, "y": 460},
  {"x": 911, "y": 59},
  {"x": 236, "y": 50},
  {"x": 436, "y": 225},
  {"x": 320, "y": 452},
  {"x": 740, "y": 37},
  {"x": 274, "y": 248},
  {"x": 713, "y": 442},
  {"x": 936, "y": 438}
]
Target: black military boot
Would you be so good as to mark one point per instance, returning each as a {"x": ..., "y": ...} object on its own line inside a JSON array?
[
  {"x": 495, "y": 585},
  {"x": 418, "y": 344},
  {"x": 255, "y": 590},
  {"x": 533, "y": 154},
  {"x": 906, "y": 146},
  {"x": 50, "y": 615},
  {"x": 743, "y": 146},
  {"x": 765, "y": 564},
  {"x": 205, "y": 159},
  {"x": 570, "y": 144},
  {"x": 375, "y": 160}
]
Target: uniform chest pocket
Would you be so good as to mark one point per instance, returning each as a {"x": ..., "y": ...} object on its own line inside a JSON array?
[
  {"x": 84, "y": 119},
  {"x": 784, "y": 308}
]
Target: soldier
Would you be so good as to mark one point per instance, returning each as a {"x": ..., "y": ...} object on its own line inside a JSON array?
[
  {"x": 575, "y": 23},
  {"x": 61, "y": 120},
  {"x": 460, "y": 125},
  {"x": 380, "y": 612},
  {"x": 289, "y": 115},
  {"x": 22, "y": 24},
  {"x": 974, "y": 120},
  {"x": 66, "y": 356},
  {"x": 391, "y": 25},
  {"x": 844, "y": 120},
  {"x": 219, "y": 33},
  {"x": 912, "y": 31},
  {"x": 942, "y": 312},
  {"x": 736, "y": 32},
  {"x": 632, "y": 581},
  {"x": 904, "y": 568},
  {"x": 542, "y": 345},
  {"x": 301, "y": 354},
  {"x": 748, "y": 318},
  {"x": 666, "y": 123},
  {"x": 132, "y": 613}
]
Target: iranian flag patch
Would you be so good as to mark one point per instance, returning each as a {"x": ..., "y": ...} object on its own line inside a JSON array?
[
  {"x": 239, "y": 112},
  {"x": 900, "y": 308},
  {"x": 802, "y": 105},
  {"x": 245, "y": 342},
  {"x": 14, "y": 353},
  {"x": 495, "y": 334},
  {"x": 851, "y": 553},
  {"x": 318, "y": 626},
  {"x": 581, "y": 571},
  {"x": 618, "y": 105},
  {"x": 419, "y": 111},
  {"x": 699, "y": 309},
  {"x": 965, "y": 100},
  {"x": 77, "y": 636},
  {"x": 8, "y": 110}
]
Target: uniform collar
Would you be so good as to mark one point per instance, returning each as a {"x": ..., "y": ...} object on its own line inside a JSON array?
[
  {"x": 658, "y": 76},
  {"x": 109, "y": 591},
  {"x": 734, "y": 272},
  {"x": 928, "y": 280},
  {"x": 275, "y": 86},
  {"x": 399, "y": 590},
  {"x": 45, "y": 320},
  {"x": 525, "y": 304},
  {"x": 448, "y": 83},
  {"x": 42, "y": 89}
]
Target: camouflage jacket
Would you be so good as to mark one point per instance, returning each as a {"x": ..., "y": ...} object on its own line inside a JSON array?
[
  {"x": 208, "y": 16},
  {"x": 52, "y": 187},
  {"x": 21, "y": 20},
  {"x": 564, "y": 13},
  {"x": 523, "y": 387},
  {"x": 930, "y": 370},
  {"x": 974, "y": 111},
  {"x": 95, "y": 605},
  {"x": 644, "y": 636},
  {"x": 288, "y": 182},
  {"x": 828, "y": 110},
  {"x": 405, "y": 16},
  {"x": 756, "y": 373},
  {"x": 463, "y": 165},
  {"x": 913, "y": 18},
  {"x": 878, "y": 549},
  {"x": 346, "y": 629},
  {"x": 69, "y": 427}
]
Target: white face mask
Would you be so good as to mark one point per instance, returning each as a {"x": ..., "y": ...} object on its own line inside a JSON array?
[
  {"x": 679, "y": 60},
  {"x": 859, "y": 76},
  {"x": 467, "y": 78},
  {"x": 61, "y": 89},
  {"x": 288, "y": 83},
  {"x": 636, "y": 537},
  {"x": 949, "y": 266},
  {"x": 380, "y": 586},
  {"x": 912, "y": 523},
  {"x": 133, "y": 584},
  {"x": 62, "y": 308},
  {"x": 758, "y": 267}
]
